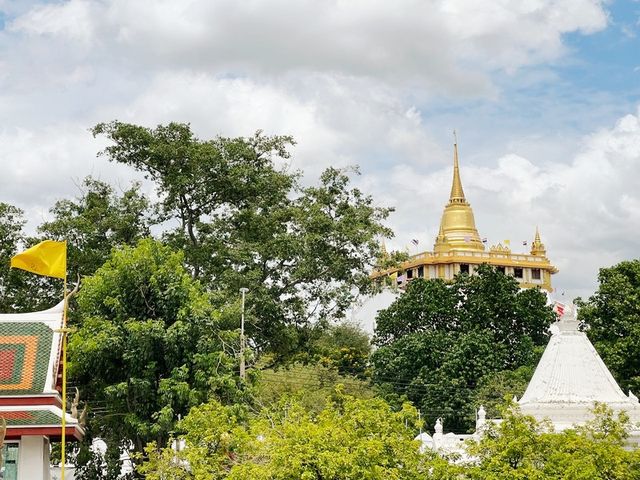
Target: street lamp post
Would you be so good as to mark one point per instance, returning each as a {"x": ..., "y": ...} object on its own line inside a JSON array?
[{"x": 242, "y": 366}]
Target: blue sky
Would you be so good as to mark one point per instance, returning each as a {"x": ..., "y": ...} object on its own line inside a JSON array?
[{"x": 544, "y": 95}]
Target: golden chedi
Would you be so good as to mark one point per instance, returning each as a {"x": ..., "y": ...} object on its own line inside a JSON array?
[{"x": 459, "y": 248}]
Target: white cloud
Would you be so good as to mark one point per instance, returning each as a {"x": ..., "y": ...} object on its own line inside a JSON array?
[
  {"x": 73, "y": 20},
  {"x": 341, "y": 122},
  {"x": 447, "y": 45},
  {"x": 45, "y": 165}
]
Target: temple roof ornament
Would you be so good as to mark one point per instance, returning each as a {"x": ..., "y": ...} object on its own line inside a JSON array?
[
  {"x": 537, "y": 247},
  {"x": 500, "y": 248},
  {"x": 457, "y": 193}
]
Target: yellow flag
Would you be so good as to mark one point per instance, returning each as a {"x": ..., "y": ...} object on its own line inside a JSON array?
[
  {"x": 507, "y": 242},
  {"x": 47, "y": 258}
]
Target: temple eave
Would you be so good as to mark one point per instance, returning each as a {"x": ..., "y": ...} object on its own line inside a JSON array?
[{"x": 53, "y": 432}]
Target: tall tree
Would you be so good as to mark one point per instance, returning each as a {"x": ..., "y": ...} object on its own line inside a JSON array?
[
  {"x": 438, "y": 340},
  {"x": 11, "y": 236},
  {"x": 244, "y": 221},
  {"x": 148, "y": 347},
  {"x": 612, "y": 316}
]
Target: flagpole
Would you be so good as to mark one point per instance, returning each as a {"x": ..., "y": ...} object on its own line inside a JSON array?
[{"x": 64, "y": 379}]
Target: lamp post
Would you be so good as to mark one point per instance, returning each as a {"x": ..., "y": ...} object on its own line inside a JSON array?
[{"x": 242, "y": 367}]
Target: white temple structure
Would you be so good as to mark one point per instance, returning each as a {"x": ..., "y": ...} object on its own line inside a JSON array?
[
  {"x": 570, "y": 378},
  {"x": 567, "y": 383}
]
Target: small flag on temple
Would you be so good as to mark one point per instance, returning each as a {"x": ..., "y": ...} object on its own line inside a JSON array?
[
  {"x": 507, "y": 242},
  {"x": 48, "y": 258},
  {"x": 559, "y": 308},
  {"x": 524, "y": 243},
  {"x": 415, "y": 241},
  {"x": 484, "y": 240}
]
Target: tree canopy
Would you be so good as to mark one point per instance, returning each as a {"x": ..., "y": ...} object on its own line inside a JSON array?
[
  {"x": 438, "y": 340},
  {"x": 148, "y": 346},
  {"x": 243, "y": 220},
  {"x": 350, "y": 438},
  {"x": 21, "y": 291},
  {"x": 365, "y": 438}
]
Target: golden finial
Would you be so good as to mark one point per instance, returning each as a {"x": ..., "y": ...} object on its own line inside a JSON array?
[
  {"x": 537, "y": 247},
  {"x": 457, "y": 194},
  {"x": 457, "y": 226}
]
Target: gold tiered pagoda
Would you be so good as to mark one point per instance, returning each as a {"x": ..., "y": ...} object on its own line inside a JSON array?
[{"x": 459, "y": 248}]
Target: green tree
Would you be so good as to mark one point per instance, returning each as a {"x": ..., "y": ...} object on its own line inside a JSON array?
[
  {"x": 96, "y": 222},
  {"x": 11, "y": 237},
  {"x": 611, "y": 316},
  {"x": 350, "y": 438},
  {"x": 244, "y": 221},
  {"x": 148, "y": 347},
  {"x": 438, "y": 340}
]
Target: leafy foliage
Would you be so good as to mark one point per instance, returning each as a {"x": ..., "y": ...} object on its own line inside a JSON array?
[
  {"x": 437, "y": 341},
  {"x": 521, "y": 448},
  {"x": 96, "y": 222},
  {"x": 350, "y": 438},
  {"x": 243, "y": 221},
  {"x": 493, "y": 388},
  {"x": 344, "y": 347},
  {"x": 311, "y": 385},
  {"x": 611, "y": 315},
  {"x": 148, "y": 346}
]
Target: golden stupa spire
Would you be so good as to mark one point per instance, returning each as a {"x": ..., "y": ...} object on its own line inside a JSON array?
[
  {"x": 537, "y": 247},
  {"x": 457, "y": 193},
  {"x": 457, "y": 226}
]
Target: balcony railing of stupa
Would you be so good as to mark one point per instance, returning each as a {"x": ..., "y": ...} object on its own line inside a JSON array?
[{"x": 488, "y": 256}]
